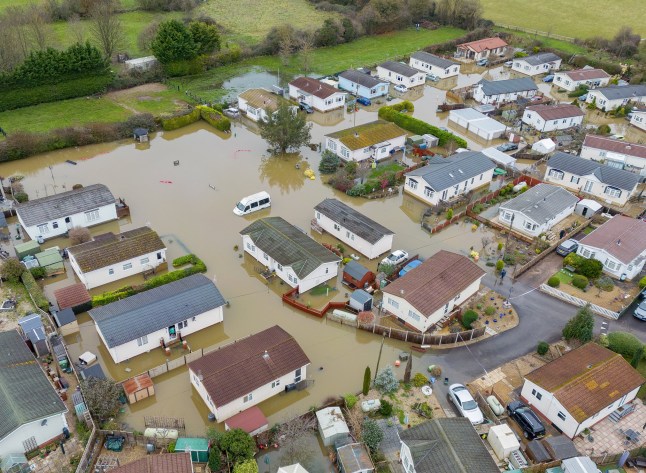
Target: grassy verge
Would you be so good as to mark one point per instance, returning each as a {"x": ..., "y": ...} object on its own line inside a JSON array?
[
  {"x": 154, "y": 102},
  {"x": 552, "y": 43},
  {"x": 563, "y": 277},
  {"x": 559, "y": 17}
]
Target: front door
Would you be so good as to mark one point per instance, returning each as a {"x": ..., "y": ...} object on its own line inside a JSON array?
[
  {"x": 68, "y": 222},
  {"x": 172, "y": 332},
  {"x": 585, "y": 211},
  {"x": 588, "y": 186}
]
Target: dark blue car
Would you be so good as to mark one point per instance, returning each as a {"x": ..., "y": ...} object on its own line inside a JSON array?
[{"x": 364, "y": 101}]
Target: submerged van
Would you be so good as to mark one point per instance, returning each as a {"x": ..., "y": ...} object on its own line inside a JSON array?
[{"x": 251, "y": 203}]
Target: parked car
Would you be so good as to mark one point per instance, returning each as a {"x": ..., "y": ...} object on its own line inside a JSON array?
[
  {"x": 582, "y": 98},
  {"x": 567, "y": 247},
  {"x": 548, "y": 78},
  {"x": 432, "y": 77},
  {"x": 527, "y": 419},
  {"x": 509, "y": 63},
  {"x": 642, "y": 295},
  {"x": 401, "y": 88},
  {"x": 307, "y": 108},
  {"x": 640, "y": 311},
  {"x": 464, "y": 402},
  {"x": 396, "y": 257},
  {"x": 507, "y": 147},
  {"x": 482, "y": 62},
  {"x": 232, "y": 112},
  {"x": 364, "y": 101}
]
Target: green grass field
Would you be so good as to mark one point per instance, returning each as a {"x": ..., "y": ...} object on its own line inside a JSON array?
[
  {"x": 582, "y": 20},
  {"x": 565, "y": 46}
]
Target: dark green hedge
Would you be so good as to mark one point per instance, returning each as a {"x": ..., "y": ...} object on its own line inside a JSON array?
[
  {"x": 179, "y": 121},
  {"x": 215, "y": 118},
  {"x": 419, "y": 127},
  {"x": 34, "y": 289},
  {"x": 11, "y": 98}
]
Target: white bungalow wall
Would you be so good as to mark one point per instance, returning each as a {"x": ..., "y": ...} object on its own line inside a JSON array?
[{"x": 352, "y": 240}]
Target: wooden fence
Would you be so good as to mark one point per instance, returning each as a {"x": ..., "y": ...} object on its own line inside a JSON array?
[
  {"x": 547, "y": 34},
  {"x": 288, "y": 298},
  {"x": 422, "y": 338},
  {"x": 570, "y": 299}
]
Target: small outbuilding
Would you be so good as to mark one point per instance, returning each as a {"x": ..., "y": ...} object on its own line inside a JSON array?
[
  {"x": 332, "y": 426},
  {"x": 140, "y": 135},
  {"x": 251, "y": 420},
  {"x": 51, "y": 260},
  {"x": 66, "y": 321},
  {"x": 29, "y": 248},
  {"x": 79, "y": 404},
  {"x": 544, "y": 146},
  {"x": 579, "y": 465},
  {"x": 477, "y": 123},
  {"x": 75, "y": 297},
  {"x": 94, "y": 371},
  {"x": 503, "y": 441},
  {"x": 357, "y": 275},
  {"x": 537, "y": 452},
  {"x": 587, "y": 207},
  {"x": 360, "y": 300},
  {"x": 34, "y": 331},
  {"x": 141, "y": 63},
  {"x": 354, "y": 458},
  {"x": 138, "y": 388},
  {"x": 196, "y": 446},
  {"x": 560, "y": 447}
]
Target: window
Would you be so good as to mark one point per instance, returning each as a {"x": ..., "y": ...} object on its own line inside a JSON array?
[
  {"x": 127, "y": 266},
  {"x": 54, "y": 225},
  {"x": 586, "y": 253},
  {"x": 556, "y": 174},
  {"x": 412, "y": 183},
  {"x": 413, "y": 315},
  {"x": 295, "y": 280},
  {"x": 612, "y": 191},
  {"x": 280, "y": 267},
  {"x": 428, "y": 192},
  {"x": 110, "y": 271},
  {"x": 575, "y": 179},
  {"x": 142, "y": 340},
  {"x": 264, "y": 255},
  {"x": 92, "y": 215},
  {"x": 248, "y": 398},
  {"x": 182, "y": 324},
  {"x": 331, "y": 144},
  {"x": 457, "y": 297},
  {"x": 144, "y": 260},
  {"x": 446, "y": 308},
  {"x": 561, "y": 416},
  {"x": 289, "y": 276},
  {"x": 481, "y": 176},
  {"x": 393, "y": 303},
  {"x": 507, "y": 215},
  {"x": 344, "y": 152},
  {"x": 196, "y": 379},
  {"x": 337, "y": 227},
  {"x": 43, "y": 229},
  {"x": 536, "y": 394},
  {"x": 275, "y": 383},
  {"x": 318, "y": 215},
  {"x": 297, "y": 375},
  {"x": 529, "y": 225},
  {"x": 611, "y": 264}
]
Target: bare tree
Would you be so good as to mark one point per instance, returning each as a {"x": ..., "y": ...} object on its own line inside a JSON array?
[
  {"x": 105, "y": 27},
  {"x": 15, "y": 18},
  {"x": 37, "y": 23},
  {"x": 306, "y": 45},
  {"x": 285, "y": 47},
  {"x": 78, "y": 235},
  {"x": 10, "y": 52},
  {"x": 77, "y": 28}
]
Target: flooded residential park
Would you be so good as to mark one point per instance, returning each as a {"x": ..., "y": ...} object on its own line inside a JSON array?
[{"x": 184, "y": 184}]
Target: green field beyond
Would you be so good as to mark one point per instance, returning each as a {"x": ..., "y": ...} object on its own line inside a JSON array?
[{"x": 582, "y": 19}]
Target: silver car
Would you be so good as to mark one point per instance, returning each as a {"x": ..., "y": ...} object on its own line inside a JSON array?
[
  {"x": 640, "y": 311},
  {"x": 464, "y": 402}
]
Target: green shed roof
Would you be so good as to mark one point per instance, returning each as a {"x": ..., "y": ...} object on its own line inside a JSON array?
[
  {"x": 194, "y": 444},
  {"x": 50, "y": 257}
]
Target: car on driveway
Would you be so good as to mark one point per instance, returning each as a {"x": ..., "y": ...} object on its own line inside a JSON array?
[
  {"x": 509, "y": 63},
  {"x": 548, "y": 78},
  {"x": 432, "y": 77},
  {"x": 527, "y": 419},
  {"x": 396, "y": 257},
  {"x": 507, "y": 147},
  {"x": 364, "y": 101},
  {"x": 464, "y": 402},
  {"x": 640, "y": 311},
  {"x": 401, "y": 88},
  {"x": 482, "y": 62},
  {"x": 307, "y": 108},
  {"x": 567, "y": 247}
]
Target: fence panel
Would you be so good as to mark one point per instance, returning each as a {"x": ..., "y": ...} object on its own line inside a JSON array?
[
  {"x": 570, "y": 299},
  {"x": 157, "y": 370},
  {"x": 422, "y": 338},
  {"x": 196, "y": 355},
  {"x": 176, "y": 363}
]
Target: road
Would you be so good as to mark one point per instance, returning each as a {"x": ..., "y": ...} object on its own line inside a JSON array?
[{"x": 542, "y": 318}]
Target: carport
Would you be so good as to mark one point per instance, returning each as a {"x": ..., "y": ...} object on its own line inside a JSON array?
[{"x": 477, "y": 123}]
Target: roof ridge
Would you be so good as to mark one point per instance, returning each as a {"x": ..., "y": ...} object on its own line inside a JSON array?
[{"x": 585, "y": 373}]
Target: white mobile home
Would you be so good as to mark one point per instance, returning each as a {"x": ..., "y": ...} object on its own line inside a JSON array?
[
  {"x": 287, "y": 251},
  {"x": 400, "y": 74},
  {"x": 609, "y": 98},
  {"x": 501, "y": 91},
  {"x": 371, "y": 141},
  {"x": 242, "y": 374},
  {"x": 620, "y": 244},
  {"x": 537, "y": 210},
  {"x": 616, "y": 153},
  {"x": 553, "y": 117},
  {"x": 638, "y": 119},
  {"x": 54, "y": 215},
  {"x": 258, "y": 104},
  {"x": 362, "y": 84},
  {"x": 158, "y": 317},
  {"x": 318, "y": 95},
  {"x": 109, "y": 257},
  {"x": 541, "y": 63},
  {"x": 432, "y": 64},
  {"x": 590, "y": 77},
  {"x": 428, "y": 293},
  {"x": 353, "y": 228},
  {"x": 444, "y": 179},
  {"x": 557, "y": 390}
]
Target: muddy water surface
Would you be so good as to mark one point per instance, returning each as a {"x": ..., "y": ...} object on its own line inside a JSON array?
[{"x": 190, "y": 206}]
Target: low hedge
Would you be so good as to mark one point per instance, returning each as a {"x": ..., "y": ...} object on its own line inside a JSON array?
[
  {"x": 624, "y": 343},
  {"x": 554, "y": 281},
  {"x": 23, "y": 97},
  {"x": 419, "y": 127},
  {"x": 34, "y": 289},
  {"x": 178, "y": 121},
  {"x": 580, "y": 281},
  {"x": 214, "y": 118},
  {"x": 468, "y": 318}
]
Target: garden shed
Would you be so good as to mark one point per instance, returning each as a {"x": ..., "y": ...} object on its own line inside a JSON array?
[
  {"x": 51, "y": 260},
  {"x": 27, "y": 249},
  {"x": 356, "y": 275},
  {"x": 360, "y": 300},
  {"x": 196, "y": 446},
  {"x": 332, "y": 426},
  {"x": 560, "y": 447},
  {"x": 66, "y": 321},
  {"x": 32, "y": 327},
  {"x": 138, "y": 388},
  {"x": 75, "y": 297},
  {"x": 477, "y": 123},
  {"x": 79, "y": 404},
  {"x": 252, "y": 421},
  {"x": 587, "y": 207},
  {"x": 94, "y": 371},
  {"x": 140, "y": 135},
  {"x": 537, "y": 452}
]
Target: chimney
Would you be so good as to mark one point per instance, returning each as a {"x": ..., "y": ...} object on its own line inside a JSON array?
[
  {"x": 619, "y": 242},
  {"x": 356, "y": 135}
]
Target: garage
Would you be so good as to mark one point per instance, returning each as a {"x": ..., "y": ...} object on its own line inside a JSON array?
[{"x": 477, "y": 123}]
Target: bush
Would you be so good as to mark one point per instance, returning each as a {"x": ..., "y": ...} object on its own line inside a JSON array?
[
  {"x": 419, "y": 127},
  {"x": 385, "y": 408},
  {"x": 329, "y": 162},
  {"x": 642, "y": 283},
  {"x": 573, "y": 260},
  {"x": 605, "y": 283},
  {"x": 386, "y": 383},
  {"x": 543, "y": 348},
  {"x": 590, "y": 268},
  {"x": 624, "y": 343},
  {"x": 468, "y": 318},
  {"x": 419, "y": 380},
  {"x": 182, "y": 120},
  {"x": 449, "y": 214},
  {"x": 500, "y": 264},
  {"x": 366, "y": 381},
  {"x": 214, "y": 118},
  {"x": 78, "y": 235},
  {"x": 580, "y": 281},
  {"x": 12, "y": 269},
  {"x": 554, "y": 281},
  {"x": 350, "y": 400},
  {"x": 581, "y": 326},
  {"x": 371, "y": 434},
  {"x": 490, "y": 310},
  {"x": 38, "y": 272}
]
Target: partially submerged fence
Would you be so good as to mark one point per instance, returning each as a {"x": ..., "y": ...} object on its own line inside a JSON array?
[
  {"x": 290, "y": 299},
  {"x": 570, "y": 299},
  {"x": 423, "y": 338}
]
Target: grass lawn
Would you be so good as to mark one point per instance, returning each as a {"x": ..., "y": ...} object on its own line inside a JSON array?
[
  {"x": 157, "y": 102},
  {"x": 48, "y": 116},
  {"x": 594, "y": 18},
  {"x": 251, "y": 20},
  {"x": 563, "y": 276},
  {"x": 564, "y": 46},
  {"x": 382, "y": 169},
  {"x": 366, "y": 51}
]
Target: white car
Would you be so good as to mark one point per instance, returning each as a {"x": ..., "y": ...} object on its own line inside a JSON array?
[
  {"x": 396, "y": 257},
  {"x": 461, "y": 397},
  {"x": 401, "y": 88}
]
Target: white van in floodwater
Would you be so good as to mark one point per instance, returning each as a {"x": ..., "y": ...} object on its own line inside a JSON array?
[{"x": 251, "y": 203}]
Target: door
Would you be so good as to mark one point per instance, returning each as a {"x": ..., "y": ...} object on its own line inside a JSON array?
[
  {"x": 585, "y": 211},
  {"x": 68, "y": 222},
  {"x": 588, "y": 186},
  {"x": 172, "y": 332}
]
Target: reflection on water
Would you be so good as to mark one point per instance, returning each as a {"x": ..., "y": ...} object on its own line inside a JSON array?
[
  {"x": 251, "y": 80},
  {"x": 285, "y": 171}
]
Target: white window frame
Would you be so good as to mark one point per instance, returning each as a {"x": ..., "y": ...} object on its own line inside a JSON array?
[
  {"x": 248, "y": 398},
  {"x": 92, "y": 215},
  {"x": 43, "y": 229},
  {"x": 144, "y": 260},
  {"x": 556, "y": 174},
  {"x": 143, "y": 340},
  {"x": 127, "y": 266}
]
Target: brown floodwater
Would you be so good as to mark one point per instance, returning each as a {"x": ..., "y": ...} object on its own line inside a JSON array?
[{"x": 190, "y": 206}]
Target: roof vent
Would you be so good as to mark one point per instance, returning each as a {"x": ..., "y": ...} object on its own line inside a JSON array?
[
  {"x": 628, "y": 147},
  {"x": 619, "y": 242},
  {"x": 460, "y": 171},
  {"x": 356, "y": 135},
  {"x": 199, "y": 375},
  {"x": 451, "y": 175},
  {"x": 265, "y": 355},
  {"x": 401, "y": 291},
  {"x": 589, "y": 366}
]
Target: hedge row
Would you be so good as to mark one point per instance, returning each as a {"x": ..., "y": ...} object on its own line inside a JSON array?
[
  {"x": 34, "y": 289},
  {"x": 197, "y": 266},
  {"x": 419, "y": 127},
  {"x": 179, "y": 121},
  {"x": 214, "y": 118},
  {"x": 11, "y": 98}
]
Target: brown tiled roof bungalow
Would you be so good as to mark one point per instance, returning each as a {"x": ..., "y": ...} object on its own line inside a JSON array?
[{"x": 163, "y": 463}]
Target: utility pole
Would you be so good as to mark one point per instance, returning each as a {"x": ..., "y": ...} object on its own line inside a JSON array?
[{"x": 379, "y": 358}]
